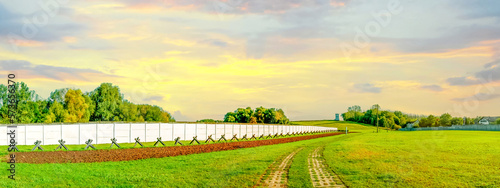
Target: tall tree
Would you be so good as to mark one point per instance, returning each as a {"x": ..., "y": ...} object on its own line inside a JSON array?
[
  {"x": 259, "y": 114},
  {"x": 57, "y": 113},
  {"x": 107, "y": 99},
  {"x": 75, "y": 104},
  {"x": 457, "y": 121},
  {"x": 445, "y": 120}
]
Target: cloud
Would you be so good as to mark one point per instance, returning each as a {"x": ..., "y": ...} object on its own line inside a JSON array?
[
  {"x": 455, "y": 38},
  {"x": 30, "y": 70},
  {"x": 214, "y": 42},
  {"x": 24, "y": 27},
  {"x": 492, "y": 64},
  {"x": 155, "y": 98},
  {"x": 490, "y": 74},
  {"x": 366, "y": 88},
  {"x": 237, "y": 6},
  {"x": 180, "y": 117},
  {"x": 478, "y": 9},
  {"x": 432, "y": 87},
  {"x": 479, "y": 97}
]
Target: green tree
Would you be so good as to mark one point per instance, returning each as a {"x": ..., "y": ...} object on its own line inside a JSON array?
[
  {"x": 107, "y": 99},
  {"x": 469, "y": 121},
  {"x": 57, "y": 113},
  {"x": 457, "y": 121},
  {"x": 27, "y": 108},
  {"x": 445, "y": 119},
  {"x": 281, "y": 117},
  {"x": 230, "y": 117},
  {"x": 259, "y": 114},
  {"x": 243, "y": 115},
  {"x": 76, "y": 106},
  {"x": 90, "y": 109},
  {"x": 497, "y": 121},
  {"x": 270, "y": 116}
]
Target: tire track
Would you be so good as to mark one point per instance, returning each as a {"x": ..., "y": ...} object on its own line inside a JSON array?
[
  {"x": 278, "y": 176},
  {"x": 321, "y": 175}
]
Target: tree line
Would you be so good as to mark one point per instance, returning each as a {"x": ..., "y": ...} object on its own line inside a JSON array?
[
  {"x": 398, "y": 119},
  {"x": 259, "y": 115},
  {"x": 105, "y": 103},
  {"x": 385, "y": 118}
]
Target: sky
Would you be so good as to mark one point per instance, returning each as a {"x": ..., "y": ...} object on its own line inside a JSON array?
[{"x": 312, "y": 58}]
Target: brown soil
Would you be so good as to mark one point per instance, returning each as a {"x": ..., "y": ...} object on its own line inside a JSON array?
[{"x": 90, "y": 156}]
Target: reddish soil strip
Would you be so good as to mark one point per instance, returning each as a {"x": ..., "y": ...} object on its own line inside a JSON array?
[{"x": 145, "y": 153}]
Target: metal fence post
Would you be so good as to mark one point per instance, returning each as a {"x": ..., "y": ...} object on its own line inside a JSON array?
[
  {"x": 159, "y": 129},
  {"x": 61, "y": 131},
  {"x": 114, "y": 130},
  {"x": 184, "y": 131},
  {"x": 96, "y": 133},
  {"x": 172, "y": 131},
  {"x": 79, "y": 134},
  {"x": 130, "y": 133}
]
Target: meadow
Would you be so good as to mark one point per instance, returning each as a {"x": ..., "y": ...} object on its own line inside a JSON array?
[{"x": 364, "y": 159}]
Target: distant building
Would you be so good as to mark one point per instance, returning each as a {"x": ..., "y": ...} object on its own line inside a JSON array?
[
  {"x": 487, "y": 120},
  {"x": 484, "y": 121},
  {"x": 410, "y": 125},
  {"x": 337, "y": 117}
]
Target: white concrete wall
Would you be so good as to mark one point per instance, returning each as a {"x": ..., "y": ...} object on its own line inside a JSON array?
[{"x": 147, "y": 132}]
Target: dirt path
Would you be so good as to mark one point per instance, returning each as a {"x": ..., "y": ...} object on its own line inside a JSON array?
[
  {"x": 321, "y": 175},
  {"x": 278, "y": 173}
]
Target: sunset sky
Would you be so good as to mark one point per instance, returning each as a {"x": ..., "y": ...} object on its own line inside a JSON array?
[{"x": 312, "y": 58}]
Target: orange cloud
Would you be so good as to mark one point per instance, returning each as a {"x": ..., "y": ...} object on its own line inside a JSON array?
[{"x": 28, "y": 43}]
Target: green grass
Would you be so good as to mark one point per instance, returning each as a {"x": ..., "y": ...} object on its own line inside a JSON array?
[
  {"x": 365, "y": 159},
  {"x": 299, "y": 172},
  {"x": 417, "y": 159},
  {"x": 235, "y": 168}
]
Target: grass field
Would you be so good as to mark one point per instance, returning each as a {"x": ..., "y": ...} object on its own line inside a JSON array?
[
  {"x": 365, "y": 159},
  {"x": 418, "y": 159}
]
